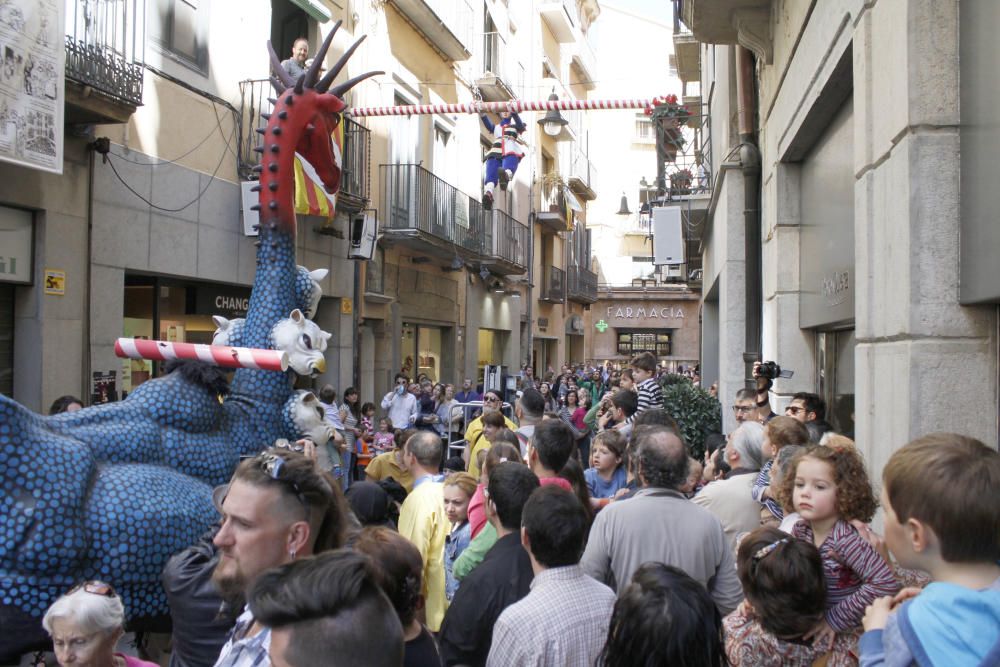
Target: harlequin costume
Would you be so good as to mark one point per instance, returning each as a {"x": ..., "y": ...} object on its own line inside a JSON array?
[{"x": 504, "y": 155}]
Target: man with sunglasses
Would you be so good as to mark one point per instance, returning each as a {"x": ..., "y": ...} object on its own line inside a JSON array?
[
  {"x": 277, "y": 507},
  {"x": 401, "y": 406}
]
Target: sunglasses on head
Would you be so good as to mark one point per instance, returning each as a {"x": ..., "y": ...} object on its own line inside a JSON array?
[{"x": 96, "y": 588}]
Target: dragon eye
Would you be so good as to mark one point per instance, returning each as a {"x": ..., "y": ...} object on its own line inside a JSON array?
[{"x": 307, "y": 341}]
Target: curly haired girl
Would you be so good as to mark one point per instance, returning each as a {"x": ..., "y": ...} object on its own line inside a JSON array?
[{"x": 829, "y": 488}]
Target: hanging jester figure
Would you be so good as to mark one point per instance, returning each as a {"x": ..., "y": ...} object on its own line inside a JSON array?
[
  {"x": 109, "y": 492},
  {"x": 505, "y": 153}
]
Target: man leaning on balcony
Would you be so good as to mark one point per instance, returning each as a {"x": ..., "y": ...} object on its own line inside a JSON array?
[{"x": 295, "y": 66}]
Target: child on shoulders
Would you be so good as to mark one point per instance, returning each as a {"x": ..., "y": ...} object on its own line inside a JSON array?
[
  {"x": 829, "y": 488},
  {"x": 941, "y": 516}
]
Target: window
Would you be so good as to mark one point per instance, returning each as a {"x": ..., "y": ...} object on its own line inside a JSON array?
[
  {"x": 180, "y": 27},
  {"x": 644, "y": 128},
  {"x": 631, "y": 343}
]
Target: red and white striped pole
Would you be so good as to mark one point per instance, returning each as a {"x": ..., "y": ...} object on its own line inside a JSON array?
[
  {"x": 218, "y": 355},
  {"x": 513, "y": 105}
]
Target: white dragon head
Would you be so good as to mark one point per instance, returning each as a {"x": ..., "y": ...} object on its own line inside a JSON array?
[
  {"x": 303, "y": 341},
  {"x": 307, "y": 417},
  {"x": 308, "y": 290}
]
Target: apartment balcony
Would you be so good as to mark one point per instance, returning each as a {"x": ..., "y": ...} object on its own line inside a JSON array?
[
  {"x": 687, "y": 57},
  {"x": 447, "y": 25},
  {"x": 355, "y": 150},
  {"x": 582, "y": 173},
  {"x": 584, "y": 63},
  {"x": 552, "y": 210},
  {"x": 581, "y": 285},
  {"x": 503, "y": 77},
  {"x": 553, "y": 285},
  {"x": 560, "y": 17},
  {"x": 104, "y": 58},
  {"x": 506, "y": 244},
  {"x": 439, "y": 222},
  {"x": 744, "y": 22}
]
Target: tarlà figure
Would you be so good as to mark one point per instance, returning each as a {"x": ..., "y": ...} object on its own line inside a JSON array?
[
  {"x": 111, "y": 491},
  {"x": 504, "y": 155}
]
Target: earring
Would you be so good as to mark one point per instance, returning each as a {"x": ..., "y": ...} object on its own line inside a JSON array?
[{"x": 292, "y": 553}]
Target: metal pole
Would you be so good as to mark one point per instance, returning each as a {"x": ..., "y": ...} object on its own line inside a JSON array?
[{"x": 495, "y": 107}]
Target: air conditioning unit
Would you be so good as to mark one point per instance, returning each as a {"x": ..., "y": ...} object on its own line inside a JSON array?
[{"x": 668, "y": 241}]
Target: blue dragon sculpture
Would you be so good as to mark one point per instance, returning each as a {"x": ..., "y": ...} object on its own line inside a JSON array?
[{"x": 110, "y": 492}]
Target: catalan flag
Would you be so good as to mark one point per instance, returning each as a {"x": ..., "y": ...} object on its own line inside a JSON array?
[{"x": 311, "y": 198}]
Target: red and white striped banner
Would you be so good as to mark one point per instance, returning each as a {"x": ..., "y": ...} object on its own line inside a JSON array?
[
  {"x": 513, "y": 105},
  {"x": 218, "y": 355}
]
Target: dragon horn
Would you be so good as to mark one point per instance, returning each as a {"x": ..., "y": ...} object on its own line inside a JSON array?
[
  {"x": 300, "y": 84},
  {"x": 312, "y": 74},
  {"x": 342, "y": 88},
  {"x": 324, "y": 84},
  {"x": 276, "y": 67},
  {"x": 279, "y": 87}
]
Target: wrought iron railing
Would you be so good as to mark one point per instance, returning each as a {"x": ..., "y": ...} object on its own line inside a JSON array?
[
  {"x": 581, "y": 284},
  {"x": 580, "y": 165},
  {"x": 355, "y": 153},
  {"x": 414, "y": 198},
  {"x": 687, "y": 168},
  {"x": 554, "y": 285},
  {"x": 552, "y": 200},
  {"x": 506, "y": 238},
  {"x": 105, "y": 47}
]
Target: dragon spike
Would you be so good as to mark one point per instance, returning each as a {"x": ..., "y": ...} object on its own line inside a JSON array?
[
  {"x": 279, "y": 72},
  {"x": 342, "y": 88},
  {"x": 313, "y": 72},
  {"x": 265, "y": 116},
  {"x": 255, "y": 188},
  {"x": 300, "y": 85},
  {"x": 310, "y": 127},
  {"x": 278, "y": 86},
  {"x": 272, "y": 100},
  {"x": 258, "y": 149},
  {"x": 325, "y": 82}
]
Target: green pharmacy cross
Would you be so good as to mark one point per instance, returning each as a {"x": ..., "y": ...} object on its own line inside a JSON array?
[{"x": 601, "y": 326}]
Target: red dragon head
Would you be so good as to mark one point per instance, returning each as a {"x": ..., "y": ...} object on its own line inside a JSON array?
[{"x": 310, "y": 103}]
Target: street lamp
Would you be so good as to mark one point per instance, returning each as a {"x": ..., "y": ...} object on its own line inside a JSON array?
[
  {"x": 552, "y": 123},
  {"x": 623, "y": 209}
]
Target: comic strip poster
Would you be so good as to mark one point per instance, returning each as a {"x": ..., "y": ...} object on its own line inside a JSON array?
[{"x": 32, "y": 56}]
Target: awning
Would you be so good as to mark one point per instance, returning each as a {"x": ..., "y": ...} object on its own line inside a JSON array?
[{"x": 314, "y": 9}]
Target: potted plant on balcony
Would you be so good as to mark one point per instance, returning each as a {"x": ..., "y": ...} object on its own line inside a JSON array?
[
  {"x": 552, "y": 185},
  {"x": 680, "y": 182},
  {"x": 668, "y": 118}
]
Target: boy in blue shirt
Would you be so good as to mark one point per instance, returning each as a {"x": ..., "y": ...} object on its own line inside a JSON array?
[{"x": 942, "y": 516}]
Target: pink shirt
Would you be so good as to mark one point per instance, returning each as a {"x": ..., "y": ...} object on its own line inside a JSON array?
[{"x": 477, "y": 511}]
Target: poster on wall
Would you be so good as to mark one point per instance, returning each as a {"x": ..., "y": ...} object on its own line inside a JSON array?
[
  {"x": 32, "y": 86},
  {"x": 102, "y": 388}
]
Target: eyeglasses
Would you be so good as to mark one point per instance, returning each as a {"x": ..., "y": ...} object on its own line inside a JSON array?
[
  {"x": 743, "y": 409},
  {"x": 96, "y": 588},
  {"x": 400, "y": 381},
  {"x": 794, "y": 409},
  {"x": 491, "y": 399}
]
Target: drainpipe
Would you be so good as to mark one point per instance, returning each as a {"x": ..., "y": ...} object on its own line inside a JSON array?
[
  {"x": 529, "y": 296},
  {"x": 750, "y": 162}
]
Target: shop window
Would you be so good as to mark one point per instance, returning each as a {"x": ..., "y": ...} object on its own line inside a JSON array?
[
  {"x": 631, "y": 343},
  {"x": 159, "y": 309},
  {"x": 421, "y": 351}
]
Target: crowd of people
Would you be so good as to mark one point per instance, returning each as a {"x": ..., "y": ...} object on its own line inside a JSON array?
[{"x": 532, "y": 545}]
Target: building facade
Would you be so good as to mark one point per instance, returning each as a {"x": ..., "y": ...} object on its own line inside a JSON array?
[
  {"x": 837, "y": 239},
  {"x": 644, "y": 304},
  {"x": 148, "y": 228}
]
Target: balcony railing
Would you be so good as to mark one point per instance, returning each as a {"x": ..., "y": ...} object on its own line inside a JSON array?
[
  {"x": 554, "y": 285},
  {"x": 105, "y": 48},
  {"x": 687, "y": 169},
  {"x": 551, "y": 209},
  {"x": 582, "y": 172},
  {"x": 507, "y": 239},
  {"x": 355, "y": 151},
  {"x": 581, "y": 284},
  {"x": 416, "y": 199}
]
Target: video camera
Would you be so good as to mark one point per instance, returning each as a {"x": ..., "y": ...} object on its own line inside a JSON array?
[{"x": 770, "y": 370}]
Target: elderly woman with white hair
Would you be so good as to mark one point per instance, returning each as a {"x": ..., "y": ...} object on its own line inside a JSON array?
[
  {"x": 85, "y": 625},
  {"x": 730, "y": 499}
]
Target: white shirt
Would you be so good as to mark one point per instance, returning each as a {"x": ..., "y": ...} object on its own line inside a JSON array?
[
  {"x": 402, "y": 410},
  {"x": 242, "y": 651}
]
